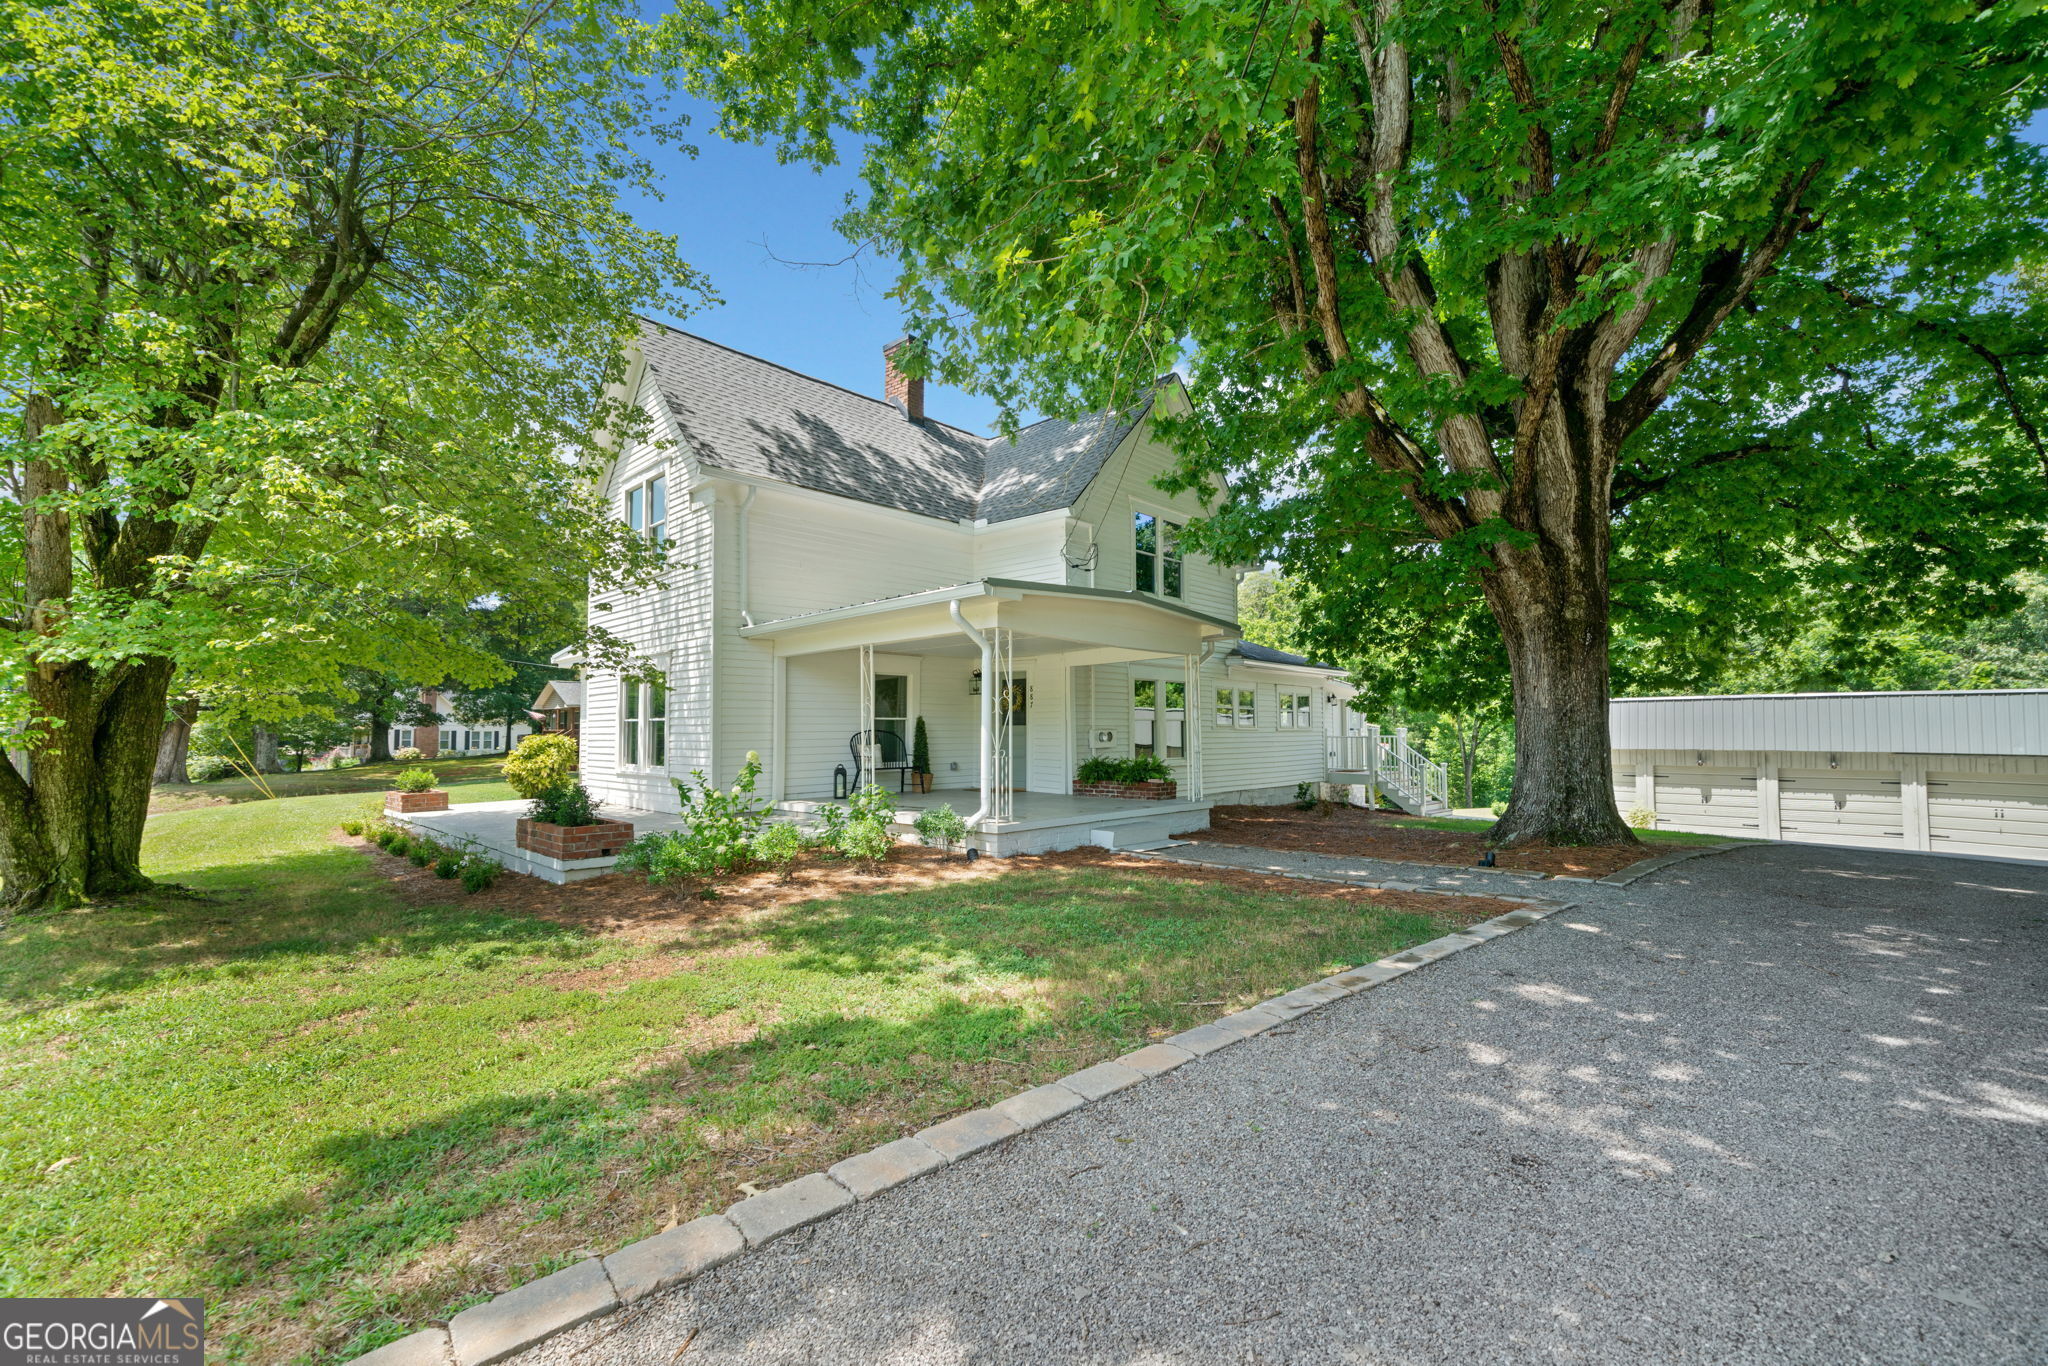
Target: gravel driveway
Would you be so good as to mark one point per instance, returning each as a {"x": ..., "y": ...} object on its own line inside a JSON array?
[{"x": 1781, "y": 1104}]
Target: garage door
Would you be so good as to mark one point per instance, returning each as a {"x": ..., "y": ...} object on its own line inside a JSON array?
[
  {"x": 1987, "y": 813},
  {"x": 1707, "y": 798},
  {"x": 1624, "y": 787},
  {"x": 1827, "y": 806}
]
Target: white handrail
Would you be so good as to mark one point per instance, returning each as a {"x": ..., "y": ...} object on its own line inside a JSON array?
[{"x": 1397, "y": 763}]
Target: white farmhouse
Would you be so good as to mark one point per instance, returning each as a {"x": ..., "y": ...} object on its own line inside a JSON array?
[{"x": 843, "y": 565}]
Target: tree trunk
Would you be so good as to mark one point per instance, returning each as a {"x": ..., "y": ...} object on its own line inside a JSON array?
[
  {"x": 265, "y": 757},
  {"x": 380, "y": 739},
  {"x": 175, "y": 745},
  {"x": 71, "y": 830},
  {"x": 1471, "y": 748},
  {"x": 1550, "y": 600}
]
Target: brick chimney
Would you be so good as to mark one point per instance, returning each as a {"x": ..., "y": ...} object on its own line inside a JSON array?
[{"x": 900, "y": 389}]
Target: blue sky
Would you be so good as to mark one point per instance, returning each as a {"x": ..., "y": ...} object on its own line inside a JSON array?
[{"x": 733, "y": 212}]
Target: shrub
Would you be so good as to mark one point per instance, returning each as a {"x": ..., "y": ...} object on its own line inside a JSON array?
[
  {"x": 1500, "y": 808},
  {"x": 351, "y": 826},
  {"x": 1139, "y": 768},
  {"x": 1642, "y": 818},
  {"x": 208, "y": 768},
  {"x": 448, "y": 865},
  {"x": 941, "y": 828},
  {"x": 569, "y": 804},
  {"x": 540, "y": 764},
  {"x": 350, "y": 760},
  {"x": 409, "y": 755},
  {"x": 479, "y": 872},
  {"x": 398, "y": 846},
  {"x": 866, "y": 841},
  {"x": 720, "y": 826},
  {"x": 423, "y": 852},
  {"x": 779, "y": 845},
  {"x": 920, "y": 749},
  {"x": 1304, "y": 797},
  {"x": 414, "y": 780},
  {"x": 870, "y": 803}
]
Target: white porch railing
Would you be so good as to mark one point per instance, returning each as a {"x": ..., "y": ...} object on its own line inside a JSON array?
[{"x": 1409, "y": 775}]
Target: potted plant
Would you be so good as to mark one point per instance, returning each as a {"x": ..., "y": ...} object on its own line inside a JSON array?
[
  {"x": 563, "y": 824},
  {"x": 414, "y": 791},
  {"x": 1143, "y": 777},
  {"x": 921, "y": 759}
]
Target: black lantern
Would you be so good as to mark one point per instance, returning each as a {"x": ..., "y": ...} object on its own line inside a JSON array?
[{"x": 839, "y": 783}]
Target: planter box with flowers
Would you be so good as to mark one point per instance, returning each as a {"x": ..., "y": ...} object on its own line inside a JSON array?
[
  {"x": 563, "y": 824},
  {"x": 1144, "y": 778},
  {"x": 415, "y": 792}
]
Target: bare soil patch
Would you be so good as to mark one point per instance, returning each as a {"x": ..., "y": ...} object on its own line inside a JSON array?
[{"x": 1356, "y": 832}]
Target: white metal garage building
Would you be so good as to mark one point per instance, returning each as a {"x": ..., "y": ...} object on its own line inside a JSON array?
[{"x": 1947, "y": 772}]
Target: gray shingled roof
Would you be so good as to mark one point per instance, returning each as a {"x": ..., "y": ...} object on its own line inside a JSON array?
[
  {"x": 1266, "y": 654},
  {"x": 753, "y": 417}
]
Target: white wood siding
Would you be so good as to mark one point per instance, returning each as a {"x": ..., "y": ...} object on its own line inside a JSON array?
[
  {"x": 1125, "y": 487},
  {"x": 813, "y": 553}
]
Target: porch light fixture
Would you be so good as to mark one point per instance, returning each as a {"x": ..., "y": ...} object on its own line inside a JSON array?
[
  {"x": 1834, "y": 761},
  {"x": 974, "y": 684},
  {"x": 1699, "y": 757}
]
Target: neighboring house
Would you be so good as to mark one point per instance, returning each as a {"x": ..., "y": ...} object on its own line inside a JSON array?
[
  {"x": 559, "y": 708},
  {"x": 1945, "y": 772},
  {"x": 844, "y": 565},
  {"x": 452, "y": 738}
]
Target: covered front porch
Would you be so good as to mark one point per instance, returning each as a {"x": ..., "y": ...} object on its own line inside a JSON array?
[{"x": 1002, "y": 674}]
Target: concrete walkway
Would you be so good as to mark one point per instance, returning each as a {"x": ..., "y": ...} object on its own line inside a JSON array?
[
  {"x": 1377, "y": 872},
  {"x": 1784, "y": 1104}
]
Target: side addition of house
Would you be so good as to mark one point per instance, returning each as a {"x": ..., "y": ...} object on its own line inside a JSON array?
[{"x": 843, "y": 565}]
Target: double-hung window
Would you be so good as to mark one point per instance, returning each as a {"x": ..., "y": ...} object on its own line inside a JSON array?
[
  {"x": 1297, "y": 711},
  {"x": 401, "y": 737},
  {"x": 643, "y": 723},
  {"x": 1237, "y": 707},
  {"x": 647, "y": 508},
  {"x": 1158, "y": 566},
  {"x": 448, "y": 734},
  {"x": 1159, "y": 710}
]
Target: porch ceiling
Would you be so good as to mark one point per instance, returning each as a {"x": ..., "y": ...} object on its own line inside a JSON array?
[{"x": 1101, "y": 625}]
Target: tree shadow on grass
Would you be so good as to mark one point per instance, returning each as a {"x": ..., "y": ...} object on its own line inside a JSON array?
[
  {"x": 322, "y": 903},
  {"x": 412, "y": 1224}
]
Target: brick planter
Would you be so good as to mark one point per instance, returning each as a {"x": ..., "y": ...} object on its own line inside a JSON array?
[
  {"x": 1158, "y": 790},
  {"x": 406, "y": 803},
  {"x": 570, "y": 842}
]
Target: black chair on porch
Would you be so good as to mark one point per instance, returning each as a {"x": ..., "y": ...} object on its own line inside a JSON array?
[{"x": 889, "y": 753}]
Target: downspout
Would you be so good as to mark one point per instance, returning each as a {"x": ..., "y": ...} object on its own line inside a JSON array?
[
  {"x": 988, "y": 675},
  {"x": 746, "y": 560}
]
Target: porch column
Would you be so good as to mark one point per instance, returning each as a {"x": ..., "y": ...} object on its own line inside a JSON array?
[
  {"x": 778, "y": 727},
  {"x": 1191, "y": 725}
]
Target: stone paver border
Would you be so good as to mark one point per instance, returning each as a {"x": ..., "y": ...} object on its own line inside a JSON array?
[
  {"x": 1637, "y": 871},
  {"x": 530, "y": 1314}
]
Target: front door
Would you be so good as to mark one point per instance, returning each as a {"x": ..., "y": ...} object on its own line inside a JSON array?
[{"x": 1016, "y": 702}]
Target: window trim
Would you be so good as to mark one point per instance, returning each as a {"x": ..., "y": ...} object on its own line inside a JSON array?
[
  {"x": 1157, "y": 746},
  {"x": 643, "y": 723},
  {"x": 1166, "y": 553},
  {"x": 1236, "y": 708},
  {"x": 1297, "y": 710},
  {"x": 638, "y": 507}
]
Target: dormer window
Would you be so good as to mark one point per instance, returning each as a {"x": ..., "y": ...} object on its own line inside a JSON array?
[
  {"x": 647, "y": 508},
  {"x": 1158, "y": 555}
]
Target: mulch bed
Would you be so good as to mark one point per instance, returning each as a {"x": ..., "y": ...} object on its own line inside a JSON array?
[
  {"x": 1355, "y": 832},
  {"x": 628, "y": 906}
]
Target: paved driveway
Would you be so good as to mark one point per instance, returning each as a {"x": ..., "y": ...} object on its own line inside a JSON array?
[{"x": 1782, "y": 1104}]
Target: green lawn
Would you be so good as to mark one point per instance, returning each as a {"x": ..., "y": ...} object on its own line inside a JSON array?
[
  {"x": 335, "y": 1115},
  {"x": 452, "y": 773},
  {"x": 1479, "y": 826}
]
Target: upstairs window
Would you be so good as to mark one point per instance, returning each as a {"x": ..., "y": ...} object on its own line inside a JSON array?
[
  {"x": 1158, "y": 554},
  {"x": 1297, "y": 711},
  {"x": 647, "y": 508}
]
